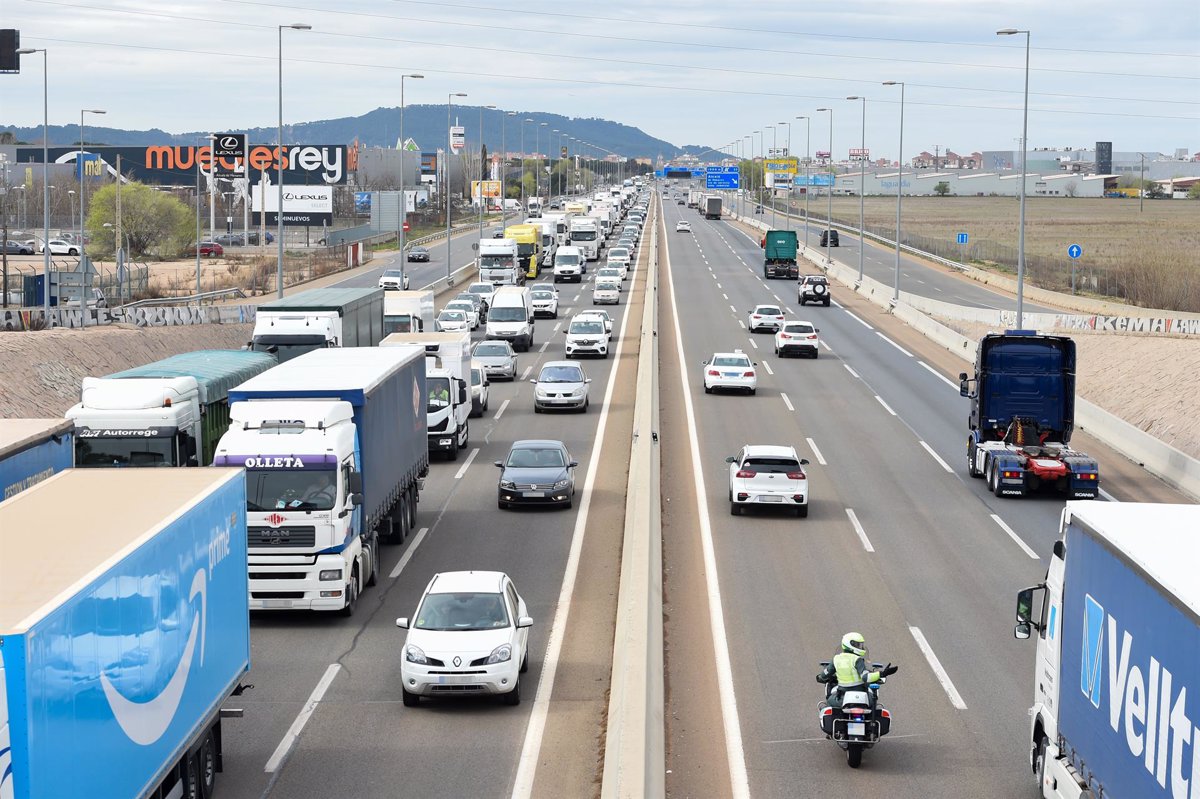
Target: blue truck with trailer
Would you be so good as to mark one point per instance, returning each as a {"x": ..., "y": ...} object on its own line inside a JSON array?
[
  {"x": 334, "y": 444},
  {"x": 120, "y": 643},
  {"x": 33, "y": 450},
  {"x": 1116, "y": 708},
  {"x": 1022, "y": 416}
]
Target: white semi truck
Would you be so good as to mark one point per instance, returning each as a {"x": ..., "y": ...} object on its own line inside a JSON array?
[
  {"x": 585, "y": 234},
  {"x": 407, "y": 312},
  {"x": 319, "y": 318},
  {"x": 500, "y": 262}
]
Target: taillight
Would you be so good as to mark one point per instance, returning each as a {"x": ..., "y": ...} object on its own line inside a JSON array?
[
  {"x": 746, "y": 473},
  {"x": 748, "y": 374},
  {"x": 784, "y": 336},
  {"x": 1007, "y": 473},
  {"x": 795, "y": 475},
  {"x": 713, "y": 373},
  {"x": 1087, "y": 476},
  {"x": 827, "y": 711},
  {"x": 886, "y": 714},
  {"x": 812, "y": 338}
]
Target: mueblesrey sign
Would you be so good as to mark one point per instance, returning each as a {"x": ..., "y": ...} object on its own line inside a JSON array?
[{"x": 302, "y": 205}]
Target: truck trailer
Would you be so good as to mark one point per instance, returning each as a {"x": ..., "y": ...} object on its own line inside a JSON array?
[
  {"x": 319, "y": 318},
  {"x": 122, "y": 641},
  {"x": 779, "y": 254},
  {"x": 712, "y": 206},
  {"x": 167, "y": 413},
  {"x": 1022, "y": 416},
  {"x": 334, "y": 447},
  {"x": 33, "y": 450},
  {"x": 1116, "y": 688}
]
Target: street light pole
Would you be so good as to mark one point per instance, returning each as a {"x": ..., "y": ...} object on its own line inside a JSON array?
[
  {"x": 403, "y": 210},
  {"x": 450, "y": 102},
  {"x": 504, "y": 161},
  {"x": 807, "y": 159},
  {"x": 550, "y": 162},
  {"x": 296, "y": 26},
  {"x": 45, "y": 178},
  {"x": 829, "y": 189},
  {"x": 1142, "y": 183},
  {"x": 83, "y": 204},
  {"x": 774, "y": 148},
  {"x": 862, "y": 188},
  {"x": 522, "y": 170},
  {"x": 1024, "y": 167},
  {"x": 482, "y": 199},
  {"x": 750, "y": 183},
  {"x": 899, "y": 187}
]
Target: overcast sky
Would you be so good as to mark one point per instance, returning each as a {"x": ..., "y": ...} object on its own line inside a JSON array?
[{"x": 695, "y": 72}]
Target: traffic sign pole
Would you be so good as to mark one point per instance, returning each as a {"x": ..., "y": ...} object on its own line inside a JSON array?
[{"x": 1074, "y": 252}]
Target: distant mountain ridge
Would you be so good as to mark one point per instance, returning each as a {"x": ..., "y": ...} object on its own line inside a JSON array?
[{"x": 425, "y": 124}]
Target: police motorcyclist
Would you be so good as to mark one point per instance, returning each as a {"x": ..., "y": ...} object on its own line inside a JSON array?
[{"x": 848, "y": 669}]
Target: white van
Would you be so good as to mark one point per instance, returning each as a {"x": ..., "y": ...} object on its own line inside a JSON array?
[
  {"x": 510, "y": 317},
  {"x": 568, "y": 264}
]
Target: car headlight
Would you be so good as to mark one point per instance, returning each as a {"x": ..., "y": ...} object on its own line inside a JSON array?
[
  {"x": 414, "y": 654},
  {"x": 562, "y": 484},
  {"x": 579, "y": 392},
  {"x": 508, "y": 484},
  {"x": 500, "y": 654},
  {"x": 330, "y": 574}
]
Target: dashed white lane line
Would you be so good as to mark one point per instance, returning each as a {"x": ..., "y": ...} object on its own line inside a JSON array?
[
  {"x": 577, "y": 296},
  {"x": 719, "y": 286},
  {"x": 408, "y": 553},
  {"x": 858, "y": 529},
  {"x": 542, "y": 348},
  {"x": 860, "y": 321},
  {"x": 753, "y": 343},
  {"x": 743, "y": 324},
  {"x": 726, "y": 296},
  {"x": 310, "y": 707},
  {"x": 894, "y": 344},
  {"x": 1108, "y": 496},
  {"x": 936, "y": 457},
  {"x": 826, "y": 346},
  {"x": 500, "y": 411},
  {"x": 1013, "y": 535},
  {"x": 813, "y": 446},
  {"x": 776, "y": 298},
  {"x": 767, "y": 366},
  {"x": 851, "y": 371},
  {"x": 789, "y": 310},
  {"x": 525, "y": 374},
  {"x": 733, "y": 309},
  {"x": 935, "y": 664},
  {"x": 886, "y": 407},
  {"x": 787, "y": 402},
  {"x": 939, "y": 375},
  {"x": 466, "y": 465},
  {"x": 557, "y": 326}
]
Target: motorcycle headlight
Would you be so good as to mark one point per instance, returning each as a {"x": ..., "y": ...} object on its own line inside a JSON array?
[
  {"x": 562, "y": 484},
  {"x": 414, "y": 654},
  {"x": 500, "y": 654}
]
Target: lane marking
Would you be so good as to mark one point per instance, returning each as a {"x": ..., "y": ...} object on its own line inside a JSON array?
[
  {"x": 936, "y": 457},
  {"x": 789, "y": 310},
  {"x": 310, "y": 707},
  {"x": 939, "y": 375},
  {"x": 500, "y": 411},
  {"x": 856, "y": 319},
  {"x": 408, "y": 553},
  {"x": 767, "y": 366},
  {"x": 726, "y": 296},
  {"x": 557, "y": 326},
  {"x": 894, "y": 344},
  {"x": 828, "y": 348},
  {"x": 851, "y": 371},
  {"x": 886, "y": 407},
  {"x": 466, "y": 464},
  {"x": 743, "y": 324},
  {"x": 1013, "y": 535},
  {"x": 787, "y": 402},
  {"x": 753, "y": 343},
  {"x": 545, "y": 344},
  {"x": 577, "y": 296},
  {"x": 733, "y": 309},
  {"x": 525, "y": 374},
  {"x": 935, "y": 664},
  {"x": 858, "y": 528},
  {"x": 719, "y": 286},
  {"x": 1108, "y": 496},
  {"x": 813, "y": 446}
]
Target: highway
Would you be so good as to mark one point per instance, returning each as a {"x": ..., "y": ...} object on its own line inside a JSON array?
[
  {"x": 342, "y": 675},
  {"x": 900, "y": 545}
]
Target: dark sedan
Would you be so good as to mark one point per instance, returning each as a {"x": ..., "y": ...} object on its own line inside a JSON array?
[
  {"x": 418, "y": 254},
  {"x": 536, "y": 472}
]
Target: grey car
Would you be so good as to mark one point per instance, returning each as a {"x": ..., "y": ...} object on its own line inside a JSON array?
[
  {"x": 560, "y": 385},
  {"x": 497, "y": 359},
  {"x": 536, "y": 472}
]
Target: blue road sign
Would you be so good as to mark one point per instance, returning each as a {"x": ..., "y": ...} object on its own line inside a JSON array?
[
  {"x": 722, "y": 177},
  {"x": 1074, "y": 251},
  {"x": 962, "y": 238}
]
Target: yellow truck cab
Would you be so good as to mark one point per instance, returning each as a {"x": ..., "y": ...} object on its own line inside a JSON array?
[{"x": 529, "y": 247}]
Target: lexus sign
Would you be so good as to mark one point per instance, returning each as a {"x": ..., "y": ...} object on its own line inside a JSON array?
[
  {"x": 229, "y": 155},
  {"x": 302, "y": 205}
]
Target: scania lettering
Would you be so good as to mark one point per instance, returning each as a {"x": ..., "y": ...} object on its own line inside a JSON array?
[
  {"x": 319, "y": 318},
  {"x": 1116, "y": 691}
]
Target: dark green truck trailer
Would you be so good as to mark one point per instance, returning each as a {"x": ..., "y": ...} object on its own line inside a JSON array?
[{"x": 779, "y": 254}]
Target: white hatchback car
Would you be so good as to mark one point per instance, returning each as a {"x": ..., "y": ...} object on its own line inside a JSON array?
[
  {"x": 765, "y": 317},
  {"x": 451, "y": 321},
  {"x": 545, "y": 301},
  {"x": 767, "y": 476},
  {"x": 797, "y": 338},
  {"x": 617, "y": 273},
  {"x": 468, "y": 308},
  {"x": 730, "y": 370},
  {"x": 470, "y": 635},
  {"x": 683, "y": 226}
]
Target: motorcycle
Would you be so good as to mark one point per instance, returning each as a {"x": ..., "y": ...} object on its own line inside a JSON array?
[{"x": 860, "y": 721}]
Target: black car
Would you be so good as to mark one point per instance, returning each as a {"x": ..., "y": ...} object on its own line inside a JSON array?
[
  {"x": 418, "y": 254},
  {"x": 253, "y": 237},
  {"x": 230, "y": 240},
  {"x": 830, "y": 238},
  {"x": 536, "y": 472}
]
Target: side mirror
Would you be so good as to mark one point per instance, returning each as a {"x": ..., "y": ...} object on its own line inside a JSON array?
[
  {"x": 498, "y": 463},
  {"x": 1021, "y": 631},
  {"x": 355, "y": 483},
  {"x": 356, "y": 499},
  {"x": 587, "y": 380},
  {"x": 1024, "y": 604},
  {"x": 533, "y": 380},
  {"x": 804, "y": 461},
  {"x": 402, "y": 623},
  {"x": 731, "y": 459},
  {"x": 524, "y": 621},
  {"x": 573, "y": 464}
]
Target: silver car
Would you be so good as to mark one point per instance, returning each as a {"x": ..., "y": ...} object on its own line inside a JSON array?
[
  {"x": 497, "y": 359},
  {"x": 560, "y": 384}
]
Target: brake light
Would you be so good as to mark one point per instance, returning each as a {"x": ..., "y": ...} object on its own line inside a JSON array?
[
  {"x": 748, "y": 374},
  {"x": 886, "y": 714},
  {"x": 1087, "y": 476},
  {"x": 746, "y": 473},
  {"x": 826, "y": 711},
  {"x": 1007, "y": 473},
  {"x": 784, "y": 336},
  {"x": 713, "y": 373},
  {"x": 795, "y": 475},
  {"x": 812, "y": 338}
]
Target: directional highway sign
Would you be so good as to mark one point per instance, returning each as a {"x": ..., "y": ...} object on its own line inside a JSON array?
[
  {"x": 721, "y": 177},
  {"x": 1074, "y": 251}
]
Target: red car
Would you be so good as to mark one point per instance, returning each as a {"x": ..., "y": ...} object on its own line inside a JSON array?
[{"x": 210, "y": 249}]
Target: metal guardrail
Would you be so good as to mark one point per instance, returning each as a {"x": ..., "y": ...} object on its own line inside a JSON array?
[{"x": 218, "y": 294}]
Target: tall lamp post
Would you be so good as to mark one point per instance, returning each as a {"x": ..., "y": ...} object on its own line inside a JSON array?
[
  {"x": 296, "y": 26},
  {"x": 550, "y": 163},
  {"x": 82, "y": 205},
  {"x": 522, "y": 170},
  {"x": 774, "y": 148},
  {"x": 788, "y": 213},
  {"x": 829, "y": 189},
  {"x": 1024, "y": 165},
  {"x": 762, "y": 172},
  {"x": 862, "y": 187},
  {"x": 449, "y": 102},
  {"x": 504, "y": 160},
  {"x": 482, "y": 199},
  {"x": 538, "y": 177},
  {"x": 807, "y": 159},
  {"x": 45, "y": 177},
  {"x": 403, "y": 215},
  {"x": 899, "y": 186}
]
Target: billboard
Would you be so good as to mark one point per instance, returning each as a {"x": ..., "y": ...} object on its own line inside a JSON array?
[
  {"x": 859, "y": 154},
  {"x": 781, "y": 166},
  {"x": 429, "y": 165},
  {"x": 229, "y": 155},
  {"x": 302, "y": 205},
  {"x": 491, "y": 188},
  {"x": 458, "y": 138}
]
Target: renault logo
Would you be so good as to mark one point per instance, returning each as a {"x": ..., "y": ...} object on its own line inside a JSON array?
[{"x": 457, "y": 661}]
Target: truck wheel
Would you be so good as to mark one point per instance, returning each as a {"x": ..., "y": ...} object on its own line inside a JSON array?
[
  {"x": 994, "y": 480},
  {"x": 371, "y": 554},
  {"x": 206, "y": 765},
  {"x": 191, "y": 778},
  {"x": 1039, "y": 762},
  {"x": 452, "y": 455},
  {"x": 971, "y": 455},
  {"x": 351, "y": 595}
]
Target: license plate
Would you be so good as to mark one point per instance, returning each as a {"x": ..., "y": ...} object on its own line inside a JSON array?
[
  {"x": 771, "y": 499},
  {"x": 856, "y": 728},
  {"x": 535, "y": 493},
  {"x": 730, "y": 374},
  {"x": 277, "y": 603}
]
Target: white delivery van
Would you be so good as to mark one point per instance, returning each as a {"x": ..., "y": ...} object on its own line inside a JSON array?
[
  {"x": 510, "y": 317},
  {"x": 568, "y": 264}
]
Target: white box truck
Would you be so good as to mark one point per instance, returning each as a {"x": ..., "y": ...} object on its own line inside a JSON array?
[
  {"x": 447, "y": 373},
  {"x": 407, "y": 312}
]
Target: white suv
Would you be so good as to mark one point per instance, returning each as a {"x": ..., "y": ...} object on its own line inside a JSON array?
[
  {"x": 470, "y": 635},
  {"x": 587, "y": 336},
  {"x": 767, "y": 476}
]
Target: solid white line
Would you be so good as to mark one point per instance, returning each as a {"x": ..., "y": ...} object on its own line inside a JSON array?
[
  {"x": 787, "y": 402},
  {"x": 1013, "y": 535},
  {"x": 826, "y": 346},
  {"x": 858, "y": 528},
  {"x": 767, "y": 366},
  {"x": 851, "y": 371},
  {"x": 894, "y": 344},
  {"x": 936, "y": 457},
  {"x": 525, "y": 374},
  {"x": 939, "y": 375},
  {"x": 734, "y": 751},
  {"x": 463, "y": 469},
  {"x": 408, "y": 553},
  {"x": 813, "y": 446},
  {"x": 500, "y": 412},
  {"x": 885, "y": 405},
  {"x": 545, "y": 344},
  {"x": 860, "y": 321},
  {"x": 935, "y": 664},
  {"x": 532, "y": 746},
  {"x": 293, "y": 733}
]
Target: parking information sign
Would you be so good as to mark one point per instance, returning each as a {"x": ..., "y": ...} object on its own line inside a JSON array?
[{"x": 721, "y": 177}]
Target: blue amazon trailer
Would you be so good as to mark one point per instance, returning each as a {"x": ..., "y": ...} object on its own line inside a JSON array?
[
  {"x": 33, "y": 450},
  {"x": 120, "y": 643}
]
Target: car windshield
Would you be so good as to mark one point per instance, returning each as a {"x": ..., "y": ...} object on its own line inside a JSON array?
[
  {"x": 290, "y": 489},
  {"x": 438, "y": 390},
  {"x": 567, "y": 260},
  {"x": 561, "y": 374},
  {"x": 535, "y": 458},
  {"x": 608, "y": 283},
  {"x": 768, "y": 310},
  {"x": 797, "y": 328},
  {"x": 509, "y": 314},
  {"x": 120, "y": 451},
  {"x": 583, "y": 235},
  {"x": 485, "y": 349},
  {"x": 465, "y": 611},
  {"x": 393, "y": 273},
  {"x": 542, "y": 295},
  {"x": 618, "y": 252},
  {"x": 481, "y": 289},
  {"x": 420, "y": 250},
  {"x": 772, "y": 465},
  {"x": 465, "y": 307},
  {"x": 495, "y": 261},
  {"x": 587, "y": 326},
  {"x": 451, "y": 316},
  {"x": 728, "y": 360},
  {"x": 609, "y": 272}
]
